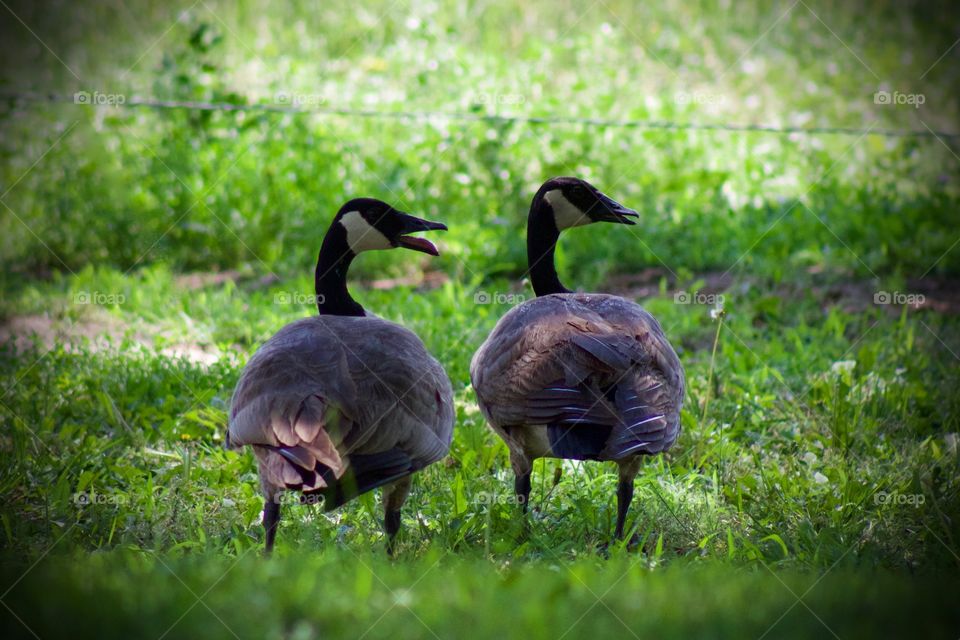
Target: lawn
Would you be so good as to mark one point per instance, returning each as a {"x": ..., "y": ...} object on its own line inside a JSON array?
[{"x": 807, "y": 279}]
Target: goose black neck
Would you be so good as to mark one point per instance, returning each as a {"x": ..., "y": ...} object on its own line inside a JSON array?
[
  {"x": 542, "y": 235},
  {"x": 330, "y": 279}
]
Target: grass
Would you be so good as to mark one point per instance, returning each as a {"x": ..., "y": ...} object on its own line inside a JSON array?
[
  {"x": 803, "y": 465},
  {"x": 354, "y": 593},
  {"x": 148, "y": 253}
]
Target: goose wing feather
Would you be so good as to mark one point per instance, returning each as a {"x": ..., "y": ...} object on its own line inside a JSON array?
[
  {"x": 325, "y": 388},
  {"x": 583, "y": 359}
]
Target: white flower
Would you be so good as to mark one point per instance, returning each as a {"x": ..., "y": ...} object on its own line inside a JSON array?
[{"x": 841, "y": 367}]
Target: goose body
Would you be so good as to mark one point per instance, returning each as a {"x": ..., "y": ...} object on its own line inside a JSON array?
[
  {"x": 328, "y": 392},
  {"x": 336, "y": 405},
  {"x": 580, "y": 376},
  {"x": 583, "y": 376}
]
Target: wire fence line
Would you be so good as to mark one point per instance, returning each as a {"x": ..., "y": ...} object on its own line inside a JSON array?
[{"x": 134, "y": 102}]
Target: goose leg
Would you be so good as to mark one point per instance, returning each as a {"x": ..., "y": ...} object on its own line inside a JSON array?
[
  {"x": 628, "y": 471},
  {"x": 521, "y": 485},
  {"x": 394, "y": 497},
  {"x": 271, "y": 519},
  {"x": 522, "y": 467}
]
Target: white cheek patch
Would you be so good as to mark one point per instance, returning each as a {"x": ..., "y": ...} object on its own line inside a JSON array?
[
  {"x": 565, "y": 213},
  {"x": 361, "y": 235}
]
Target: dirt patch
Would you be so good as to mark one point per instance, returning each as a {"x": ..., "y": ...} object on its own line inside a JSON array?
[
  {"x": 941, "y": 295},
  {"x": 427, "y": 280},
  {"x": 96, "y": 330},
  {"x": 646, "y": 283},
  {"x": 202, "y": 279}
]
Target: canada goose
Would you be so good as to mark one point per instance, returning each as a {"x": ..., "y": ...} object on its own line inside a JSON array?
[
  {"x": 342, "y": 403},
  {"x": 581, "y": 376}
]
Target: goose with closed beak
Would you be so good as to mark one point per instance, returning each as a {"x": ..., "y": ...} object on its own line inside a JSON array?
[
  {"x": 344, "y": 402},
  {"x": 581, "y": 376}
]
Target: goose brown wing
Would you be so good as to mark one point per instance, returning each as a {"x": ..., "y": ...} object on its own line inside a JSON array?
[
  {"x": 299, "y": 402},
  {"x": 606, "y": 387}
]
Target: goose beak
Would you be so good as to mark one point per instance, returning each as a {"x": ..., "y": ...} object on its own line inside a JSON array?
[
  {"x": 609, "y": 210},
  {"x": 411, "y": 224}
]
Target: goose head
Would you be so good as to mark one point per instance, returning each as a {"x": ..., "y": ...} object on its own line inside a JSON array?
[
  {"x": 363, "y": 224},
  {"x": 369, "y": 224},
  {"x": 562, "y": 203},
  {"x": 572, "y": 202}
]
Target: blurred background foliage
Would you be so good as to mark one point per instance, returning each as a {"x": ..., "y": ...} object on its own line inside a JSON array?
[{"x": 218, "y": 190}]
